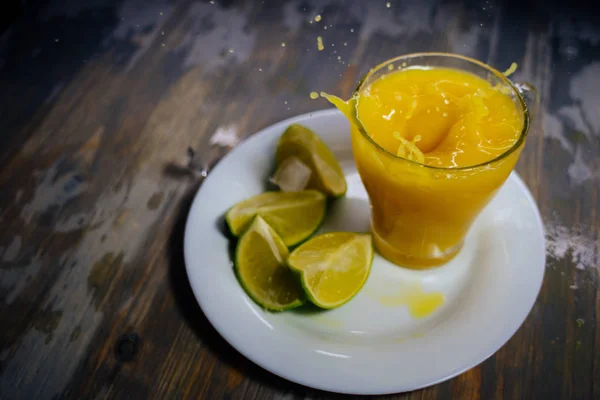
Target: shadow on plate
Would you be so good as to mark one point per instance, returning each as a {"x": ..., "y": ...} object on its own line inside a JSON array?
[
  {"x": 197, "y": 321},
  {"x": 221, "y": 225},
  {"x": 308, "y": 309},
  {"x": 347, "y": 214}
]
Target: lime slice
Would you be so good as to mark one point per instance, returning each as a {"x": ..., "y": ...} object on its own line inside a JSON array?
[
  {"x": 299, "y": 141},
  {"x": 293, "y": 215},
  {"x": 333, "y": 266},
  {"x": 260, "y": 262}
]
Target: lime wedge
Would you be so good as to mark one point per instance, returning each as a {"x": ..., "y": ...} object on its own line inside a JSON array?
[
  {"x": 333, "y": 266},
  {"x": 293, "y": 215},
  {"x": 299, "y": 141},
  {"x": 260, "y": 263}
]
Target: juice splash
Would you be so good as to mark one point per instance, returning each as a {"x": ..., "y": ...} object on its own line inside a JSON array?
[
  {"x": 432, "y": 146},
  {"x": 439, "y": 117}
]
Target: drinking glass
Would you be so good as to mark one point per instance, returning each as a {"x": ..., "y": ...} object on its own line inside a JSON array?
[{"x": 420, "y": 214}]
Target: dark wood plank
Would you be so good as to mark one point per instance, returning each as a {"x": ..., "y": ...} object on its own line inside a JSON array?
[{"x": 100, "y": 101}]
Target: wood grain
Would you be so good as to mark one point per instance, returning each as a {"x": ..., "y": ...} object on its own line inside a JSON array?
[{"x": 100, "y": 102}]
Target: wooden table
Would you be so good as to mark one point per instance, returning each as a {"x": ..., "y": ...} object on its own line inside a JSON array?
[{"x": 101, "y": 99}]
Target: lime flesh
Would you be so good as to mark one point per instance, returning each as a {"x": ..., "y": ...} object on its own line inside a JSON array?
[
  {"x": 294, "y": 215},
  {"x": 333, "y": 266},
  {"x": 260, "y": 262}
]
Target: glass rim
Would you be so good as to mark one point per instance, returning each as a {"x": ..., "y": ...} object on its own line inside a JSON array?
[{"x": 512, "y": 149}]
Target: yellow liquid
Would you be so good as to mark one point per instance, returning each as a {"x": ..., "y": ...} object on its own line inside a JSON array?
[
  {"x": 434, "y": 117},
  {"x": 418, "y": 307},
  {"x": 419, "y": 303},
  {"x": 460, "y": 118}
]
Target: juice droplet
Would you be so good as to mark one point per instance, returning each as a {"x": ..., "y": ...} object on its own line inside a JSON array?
[
  {"x": 320, "y": 46},
  {"x": 344, "y": 106},
  {"x": 391, "y": 67},
  {"x": 317, "y": 18},
  {"x": 314, "y": 95},
  {"x": 510, "y": 70},
  {"x": 388, "y": 5},
  {"x": 282, "y": 44}
]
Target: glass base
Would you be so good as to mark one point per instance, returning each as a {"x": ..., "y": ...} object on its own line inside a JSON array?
[{"x": 402, "y": 259}]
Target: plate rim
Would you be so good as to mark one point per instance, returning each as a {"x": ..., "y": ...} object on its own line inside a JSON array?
[{"x": 387, "y": 390}]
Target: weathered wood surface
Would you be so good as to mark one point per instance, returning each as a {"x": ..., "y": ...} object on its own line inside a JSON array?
[{"x": 100, "y": 100}]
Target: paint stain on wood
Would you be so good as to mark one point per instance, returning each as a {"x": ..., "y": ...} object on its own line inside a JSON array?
[
  {"x": 155, "y": 201},
  {"x": 86, "y": 155},
  {"x": 12, "y": 250},
  {"x": 102, "y": 274},
  {"x": 47, "y": 323},
  {"x": 121, "y": 218},
  {"x": 75, "y": 334}
]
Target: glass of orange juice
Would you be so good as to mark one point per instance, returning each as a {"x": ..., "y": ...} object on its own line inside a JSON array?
[{"x": 434, "y": 137}]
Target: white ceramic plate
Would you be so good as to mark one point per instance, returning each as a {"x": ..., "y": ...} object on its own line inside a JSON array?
[{"x": 368, "y": 346}]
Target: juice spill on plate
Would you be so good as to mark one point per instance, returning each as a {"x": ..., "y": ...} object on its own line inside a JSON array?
[
  {"x": 440, "y": 117},
  {"x": 419, "y": 303},
  {"x": 434, "y": 117}
]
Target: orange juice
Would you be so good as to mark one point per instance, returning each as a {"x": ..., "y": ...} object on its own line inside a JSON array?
[
  {"x": 454, "y": 118},
  {"x": 432, "y": 146}
]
